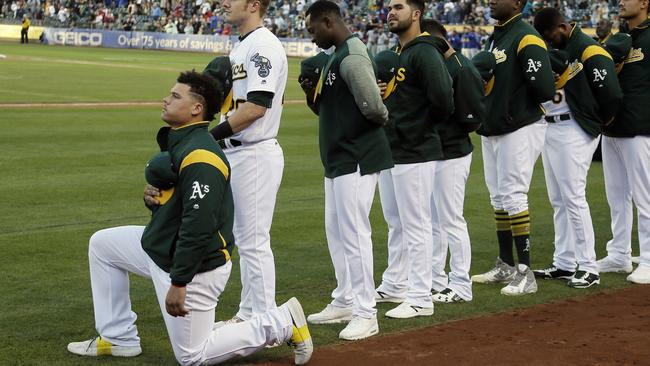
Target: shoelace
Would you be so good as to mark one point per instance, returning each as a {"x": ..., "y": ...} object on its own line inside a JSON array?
[
  {"x": 92, "y": 341},
  {"x": 519, "y": 277}
]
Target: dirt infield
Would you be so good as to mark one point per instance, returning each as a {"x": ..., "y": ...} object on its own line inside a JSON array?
[{"x": 610, "y": 328}]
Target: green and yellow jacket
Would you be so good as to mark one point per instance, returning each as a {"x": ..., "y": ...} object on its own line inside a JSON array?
[
  {"x": 191, "y": 230},
  {"x": 522, "y": 80},
  {"x": 422, "y": 99},
  {"x": 633, "y": 117},
  {"x": 592, "y": 89}
]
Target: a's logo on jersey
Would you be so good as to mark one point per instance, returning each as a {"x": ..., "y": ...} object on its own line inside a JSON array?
[
  {"x": 636, "y": 54},
  {"x": 500, "y": 55},
  {"x": 263, "y": 64},
  {"x": 533, "y": 66},
  {"x": 599, "y": 75},
  {"x": 331, "y": 77},
  {"x": 199, "y": 190},
  {"x": 238, "y": 72}
]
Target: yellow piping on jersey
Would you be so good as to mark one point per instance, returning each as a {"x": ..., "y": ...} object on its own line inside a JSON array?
[
  {"x": 489, "y": 86},
  {"x": 225, "y": 107},
  {"x": 165, "y": 195},
  {"x": 224, "y": 250},
  {"x": 530, "y": 40},
  {"x": 189, "y": 124},
  {"x": 592, "y": 51},
  {"x": 207, "y": 157}
]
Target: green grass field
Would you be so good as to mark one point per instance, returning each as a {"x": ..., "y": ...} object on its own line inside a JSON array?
[{"x": 68, "y": 172}]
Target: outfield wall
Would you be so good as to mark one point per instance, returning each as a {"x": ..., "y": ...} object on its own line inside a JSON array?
[
  {"x": 11, "y": 31},
  {"x": 162, "y": 41}
]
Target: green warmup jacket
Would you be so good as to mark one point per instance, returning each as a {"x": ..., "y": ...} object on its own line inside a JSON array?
[
  {"x": 469, "y": 107},
  {"x": 522, "y": 80},
  {"x": 423, "y": 98},
  {"x": 191, "y": 230},
  {"x": 592, "y": 90},
  {"x": 633, "y": 117},
  {"x": 351, "y": 114}
]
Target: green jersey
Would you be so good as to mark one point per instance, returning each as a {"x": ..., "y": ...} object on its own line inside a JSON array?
[
  {"x": 422, "y": 99},
  {"x": 191, "y": 230},
  {"x": 522, "y": 80},
  {"x": 351, "y": 114},
  {"x": 633, "y": 117}
]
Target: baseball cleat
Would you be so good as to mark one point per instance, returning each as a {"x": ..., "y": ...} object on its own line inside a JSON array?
[
  {"x": 331, "y": 315},
  {"x": 584, "y": 279},
  {"x": 406, "y": 310},
  {"x": 447, "y": 296},
  {"x": 502, "y": 272},
  {"x": 641, "y": 275},
  {"x": 636, "y": 260},
  {"x": 381, "y": 296},
  {"x": 523, "y": 283},
  {"x": 553, "y": 273},
  {"x": 359, "y": 328},
  {"x": 608, "y": 265},
  {"x": 99, "y": 347},
  {"x": 300, "y": 340}
]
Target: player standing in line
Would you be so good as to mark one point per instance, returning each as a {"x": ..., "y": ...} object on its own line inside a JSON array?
[
  {"x": 588, "y": 96},
  {"x": 449, "y": 226},
  {"x": 422, "y": 98},
  {"x": 513, "y": 137},
  {"x": 353, "y": 149},
  {"x": 185, "y": 249},
  {"x": 247, "y": 133},
  {"x": 626, "y": 152}
]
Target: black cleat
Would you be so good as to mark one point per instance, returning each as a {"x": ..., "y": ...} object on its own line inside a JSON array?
[{"x": 553, "y": 273}]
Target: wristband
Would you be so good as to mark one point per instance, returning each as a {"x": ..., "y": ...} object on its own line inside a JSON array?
[{"x": 222, "y": 131}]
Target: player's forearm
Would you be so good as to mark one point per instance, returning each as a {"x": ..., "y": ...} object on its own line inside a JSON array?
[{"x": 245, "y": 115}]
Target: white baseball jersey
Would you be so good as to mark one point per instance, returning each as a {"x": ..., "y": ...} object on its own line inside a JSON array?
[
  {"x": 557, "y": 105},
  {"x": 259, "y": 63}
]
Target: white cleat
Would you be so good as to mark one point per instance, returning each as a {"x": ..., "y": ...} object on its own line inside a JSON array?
[
  {"x": 636, "y": 260},
  {"x": 523, "y": 283},
  {"x": 381, "y": 296},
  {"x": 99, "y": 347},
  {"x": 641, "y": 275},
  {"x": 359, "y": 328},
  {"x": 331, "y": 315},
  {"x": 406, "y": 310},
  {"x": 502, "y": 272},
  {"x": 608, "y": 265},
  {"x": 301, "y": 341}
]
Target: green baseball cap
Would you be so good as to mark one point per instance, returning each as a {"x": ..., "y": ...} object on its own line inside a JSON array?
[
  {"x": 311, "y": 68},
  {"x": 387, "y": 64},
  {"x": 159, "y": 171},
  {"x": 220, "y": 68},
  {"x": 618, "y": 45},
  {"x": 485, "y": 62}
]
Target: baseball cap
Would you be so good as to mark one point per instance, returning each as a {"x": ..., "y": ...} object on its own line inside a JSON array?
[
  {"x": 618, "y": 45},
  {"x": 310, "y": 68},
  {"x": 221, "y": 69},
  {"x": 387, "y": 64},
  {"x": 485, "y": 62},
  {"x": 560, "y": 65},
  {"x": 159, "y": 171}
]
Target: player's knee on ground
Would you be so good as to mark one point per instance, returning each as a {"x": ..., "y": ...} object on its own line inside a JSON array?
[{"x": 187, "y": 358}]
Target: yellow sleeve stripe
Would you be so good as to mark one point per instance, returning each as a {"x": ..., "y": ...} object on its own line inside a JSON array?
[
  {"x": 530, "y": 40},
  {"x": 207, "y": 157},
  {"x": 592, "y": 51}
]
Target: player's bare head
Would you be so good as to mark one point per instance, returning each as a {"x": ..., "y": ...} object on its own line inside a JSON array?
[
  {"x": 403, "y": 15},
  {"x": 603, "y": 28},
  {"x": 630, "y": 9},
  {"x": 550, "y": 23},
  {"x": 323, "y": 21},
  {"x": 433, "y": 27},
  {"x": 502, "y": 10},
  {"x": 195, "y": 96},
  {"x": 239, "y": 11}
]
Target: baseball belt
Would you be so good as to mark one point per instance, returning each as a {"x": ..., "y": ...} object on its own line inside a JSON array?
[
  {"x": 561, "y": 117},
  {"x": 228, "y": 143}
]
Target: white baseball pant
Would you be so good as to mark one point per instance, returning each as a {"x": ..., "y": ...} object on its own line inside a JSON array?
[
  {"x": 567, "y": 155},
  {"x": 348, "y": 200},
  {"x": 626, "y": 164},
  {"x": 114, "y": 253},
  {"x": 255, "y": 180},
  {"x": 413, "y": 189},
  {"x": 508, "y": 162},
  {"x": 450, "y": 229}
]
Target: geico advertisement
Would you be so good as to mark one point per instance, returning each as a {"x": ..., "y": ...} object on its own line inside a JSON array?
[{"x": 73, "y": 38}]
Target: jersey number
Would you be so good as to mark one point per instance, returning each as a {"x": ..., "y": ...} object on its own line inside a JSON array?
[{"x": 558, "y": 97}]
